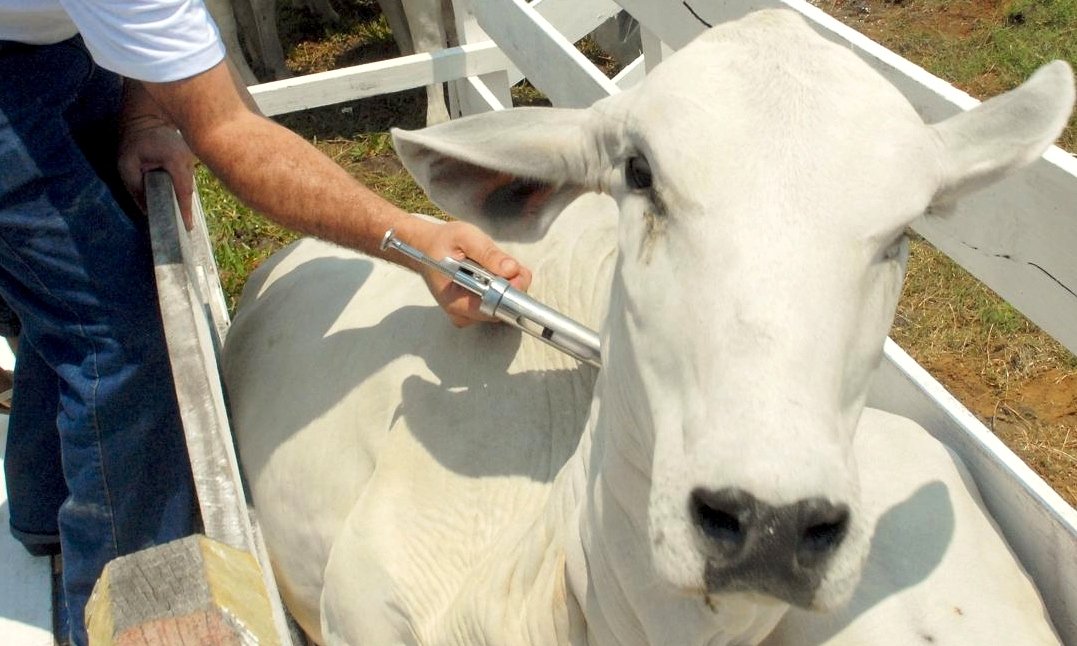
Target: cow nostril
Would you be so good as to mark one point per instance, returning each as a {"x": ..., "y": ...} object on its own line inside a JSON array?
[
  {"x": 823, "y": 536},
  {"x": 825, "y": 526},
  {"x": 720, "y": 525},
  {"x": 723, "y": 517}
]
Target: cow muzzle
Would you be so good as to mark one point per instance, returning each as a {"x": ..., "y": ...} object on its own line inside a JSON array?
[{"x": 780, "y": 551}]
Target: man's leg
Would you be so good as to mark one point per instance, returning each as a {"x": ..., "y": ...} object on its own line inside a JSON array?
[
  {"x": 32, "y": 461},
  {"x": 78, "y": 272}
]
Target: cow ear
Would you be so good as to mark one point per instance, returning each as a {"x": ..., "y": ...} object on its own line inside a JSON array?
[
  {"x": 1004, "y": 133},
  {"x": 507, "y": 171}
]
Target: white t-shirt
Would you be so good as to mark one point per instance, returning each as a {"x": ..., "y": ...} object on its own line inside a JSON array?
[{"x": 148, "y": 40}]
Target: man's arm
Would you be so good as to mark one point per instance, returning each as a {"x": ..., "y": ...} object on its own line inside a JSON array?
[{"x": 282, "y": 176}]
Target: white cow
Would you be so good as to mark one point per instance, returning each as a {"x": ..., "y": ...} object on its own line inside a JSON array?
[
  {"x": 417, "y": 26},
  {"x": 734, "y": 227}
]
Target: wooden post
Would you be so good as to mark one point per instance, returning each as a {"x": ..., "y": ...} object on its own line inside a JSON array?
[
  {"x": 218, "y": 588},
  {"x": 191, "y": 591},
  {"x": 192, "y": 349}
]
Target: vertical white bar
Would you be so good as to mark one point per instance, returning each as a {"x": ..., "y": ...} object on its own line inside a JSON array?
[
  {"x": 654, "y": 50},
  {"x": 465, "y": 96}
]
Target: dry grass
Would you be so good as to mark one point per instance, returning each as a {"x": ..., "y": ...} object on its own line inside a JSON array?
[{"x": 1017, "y": 380}]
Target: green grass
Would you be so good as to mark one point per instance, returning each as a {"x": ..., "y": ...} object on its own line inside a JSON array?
[{"x": 241, "y": 238}]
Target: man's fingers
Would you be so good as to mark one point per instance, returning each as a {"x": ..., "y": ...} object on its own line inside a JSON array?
[
  {"x": 497, "y": 261},
  {"x": 158, "y": 146},
  {"x": 461, "y": 306},
  {"x": 508, "y": 267},
  {"x": 522, "y": 279},
  {"x": 183, "y": 181},
  {"x": 131, "y": 176},
  {"x": 458, "y": 239},
  {"x": 494, "y": 259}
]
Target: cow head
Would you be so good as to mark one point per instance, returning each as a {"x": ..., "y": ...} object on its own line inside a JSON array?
[{"x": 765, "y": 178}]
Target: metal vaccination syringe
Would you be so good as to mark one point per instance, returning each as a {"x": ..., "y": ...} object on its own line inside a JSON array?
[{"x": 499, "y": 299}]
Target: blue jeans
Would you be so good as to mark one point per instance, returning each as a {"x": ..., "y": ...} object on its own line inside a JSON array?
[{"x": 95, "y": 450}]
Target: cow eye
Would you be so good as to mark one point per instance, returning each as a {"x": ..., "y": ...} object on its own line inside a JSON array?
[{"x": 638, "y": 173}]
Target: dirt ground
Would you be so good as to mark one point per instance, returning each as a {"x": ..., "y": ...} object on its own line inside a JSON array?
[{"x": 1019, "y": 382}]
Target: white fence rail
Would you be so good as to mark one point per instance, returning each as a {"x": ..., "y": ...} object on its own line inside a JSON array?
[
  {"x": 547, "y": 58},
  {"x": 1017, "y": 237},
  {"x": 373, "y": 79}
]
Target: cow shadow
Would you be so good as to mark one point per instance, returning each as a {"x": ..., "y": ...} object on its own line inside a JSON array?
[
  {"x": 925, "y": 519},
  {"x": 909, "y": 543},
  {"x": 469, "y": 412}
]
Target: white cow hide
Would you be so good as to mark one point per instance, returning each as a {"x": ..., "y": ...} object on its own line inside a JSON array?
[{"x": 733, "y": 226}]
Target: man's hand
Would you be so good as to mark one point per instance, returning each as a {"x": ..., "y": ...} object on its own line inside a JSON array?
[
  {"x": 458, "y": 240},
  {"x": 149, "y": 141}
]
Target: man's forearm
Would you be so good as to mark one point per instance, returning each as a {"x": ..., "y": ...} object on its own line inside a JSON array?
[
  {"x": 272, "y": 169},
  {"x": 282, "y": 176}
]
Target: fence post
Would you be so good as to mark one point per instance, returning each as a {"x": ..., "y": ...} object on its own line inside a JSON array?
[
  {"x": 475, "y": 94},
  {"x": 231, "y": 559}
]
